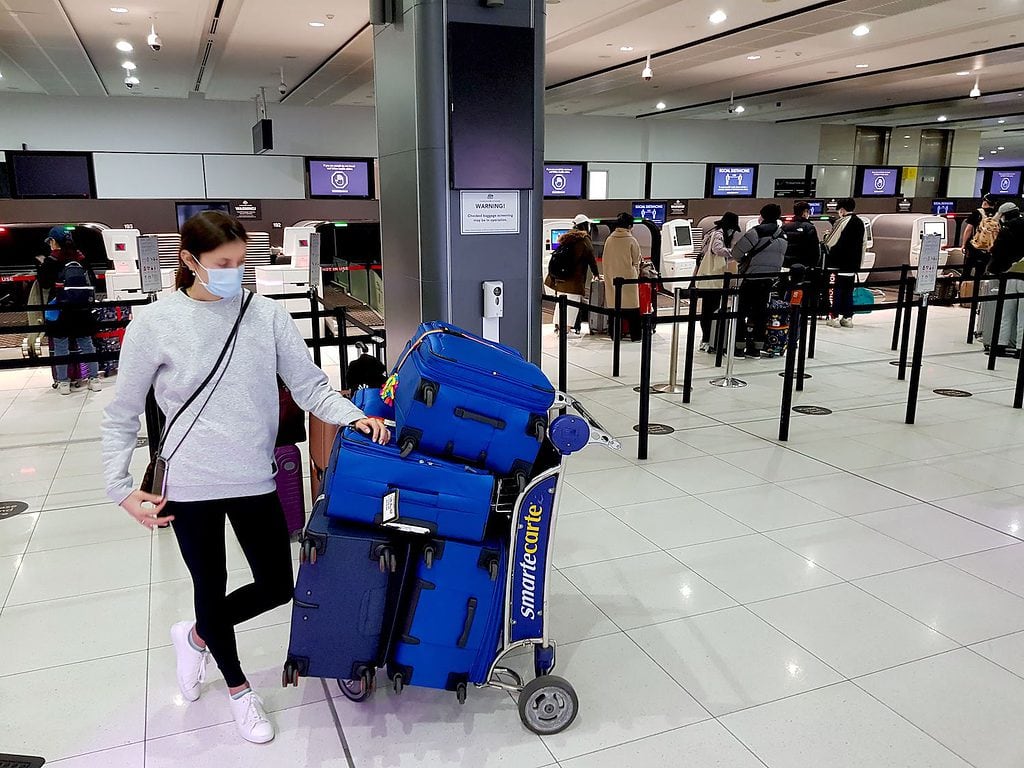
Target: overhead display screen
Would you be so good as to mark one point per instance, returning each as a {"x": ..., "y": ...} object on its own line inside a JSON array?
[
  {"x": 732, "y": 180},
  {"x": 880, "y": 182},
  {"x": 51, "y": 174},
  {"x": 943, "y": 207},
  {"x": 185, "y": 211},
  {"x": 817, "y": 207},
  {"x": 655, "y": 212},
  {"x": 339, "y": 177},
  {"x": 564, "y": 180},
  {"x": 1005, "y": 182}
]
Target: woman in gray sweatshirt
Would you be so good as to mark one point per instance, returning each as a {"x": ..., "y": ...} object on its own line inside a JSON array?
[{"x": 220, "y": 450}]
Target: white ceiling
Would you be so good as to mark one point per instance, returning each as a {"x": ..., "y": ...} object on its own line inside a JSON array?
[{"x": 227, "y": 49}]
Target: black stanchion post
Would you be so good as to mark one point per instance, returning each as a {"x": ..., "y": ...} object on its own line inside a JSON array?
[
  {"x": 563, "y": 343},
  {"x": 617, "y": 328},
  {"x": 314, "y": 308},
  {"x": 721, "y": 336},
  {"x": 341, "y": 313},
  {"x": 815, "y": 306},
  {"x": 973, "y": 319},
  {"x": 1018, "y": 392},
  {"x": 897, "y": 321},
  {"x": 691, "y": 335},
  {"x": 915, "y": 368},
  {"x": 908, "y": 307},
  {"x": 787, "y": 379},
  {"x": 647, "y": 326},
  {"x": 997, "y": 321},
  {"x": 801, "y": 330}
]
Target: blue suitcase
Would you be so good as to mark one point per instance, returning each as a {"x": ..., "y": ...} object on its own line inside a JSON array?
[
  {"x": 467, "y": 399},
  {"x": 452, "y": 628},
  {"x": 369, "y": 401},
  {"x": 346, "y": 601},
  {"x": 433, "y": 497}
]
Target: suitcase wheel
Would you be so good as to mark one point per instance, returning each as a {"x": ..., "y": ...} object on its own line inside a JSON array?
[
  {"x": 290, "y": 675},
  {"x": 398, "y": 682},
  {"x": 539, "y": 430},
  {"x": 428, "y": 557},
  {"x": 548, "y": 705},
  {"x": 361, "y": 689},
  {"x": 492, "y": 568},
  {"x": 388, "y": 561},
  {"x": 307, "y": 552},
  {"x": 461, "y": 693},
  {"x": 428, "y": 394},
  {"x": 408, "y": 446}
]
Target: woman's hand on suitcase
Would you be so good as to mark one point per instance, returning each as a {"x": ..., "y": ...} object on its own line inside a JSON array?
[
  {"x": 147, "y": 516},
  {"x": 375, "y": 429}
]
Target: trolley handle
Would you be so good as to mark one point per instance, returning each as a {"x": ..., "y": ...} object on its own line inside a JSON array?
[{"x": 598, "y": 434}]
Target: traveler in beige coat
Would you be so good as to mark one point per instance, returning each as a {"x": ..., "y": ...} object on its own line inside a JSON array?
[{"x": 622, "y": 259}]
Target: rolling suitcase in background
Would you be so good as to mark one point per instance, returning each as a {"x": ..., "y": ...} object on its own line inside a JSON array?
[
  {"x": 434, "y": 497},
  {"x": 453, "y": 626},
  {"x": 598, "y": 322},
  {"x": 471, "y": 401},
  {"x": 289, "y": 486},
  {"x": 346, "y": 602},
  {"x": 777, "y": 337},
  {"x": 77, "y": 372}
]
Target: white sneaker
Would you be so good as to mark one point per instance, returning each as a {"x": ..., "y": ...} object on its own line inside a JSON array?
[
  {"x": 95, "y": 386},
  {"x": 703, "y": 346},
  {"x": 64, "y": 387},
  {"x": 191, "y": 663},
  {"x": 846, "y": 322},
  {"x": 251, "y": 719},
  {"x": 832, "y": 322}
]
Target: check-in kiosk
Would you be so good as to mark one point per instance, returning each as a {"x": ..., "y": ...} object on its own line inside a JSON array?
[
  {"x": 296, "y": 245},
  {"x": 124, "y": 281},
  {"x": 678, "y": 248},
  {"x": 897, "y": 237},
  {"x": 646, "y": 232}
]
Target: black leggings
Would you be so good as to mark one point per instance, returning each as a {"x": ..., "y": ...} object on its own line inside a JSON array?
[
  {"x": 710, "y": 302},
  {"x": 842, "y": 304},
  {"x": 259, "y": 525}
]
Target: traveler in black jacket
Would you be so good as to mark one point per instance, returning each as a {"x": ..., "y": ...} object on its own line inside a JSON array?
[
  {"x": 759, "y": 252},
  {"x": 1009, "y": 245},
  {"x": 802, "y": 243},
  {"x": 846, "y": 245}
]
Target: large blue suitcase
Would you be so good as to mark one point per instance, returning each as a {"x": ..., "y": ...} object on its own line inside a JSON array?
[
  {"x": 467, "y": 399},
  {"x": 346, "y": 599},
  {"x": 452, "y": 628},
  {"x": 372, "y": 484}
]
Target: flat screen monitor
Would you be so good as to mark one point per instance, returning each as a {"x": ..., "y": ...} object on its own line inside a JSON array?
[
  {"x": 186, "y": 211},
  {"x": 51, "y": 175},
  {"x": 943, "y": 207},
  {"x": 656, "y": 212},
  {"x": 330, "y": 178},
  {"x": 880, "y": 182},
  {"x": 935, "y": 228},
  {"x": 1005, "y": 182},
  {"x": 556, "y": 235},
  {"x": 817, "y": 207},
  {"x": 682, "y": 235},
  {"x": 565, "y": 180},
  {"x": 732, "y": 181}
]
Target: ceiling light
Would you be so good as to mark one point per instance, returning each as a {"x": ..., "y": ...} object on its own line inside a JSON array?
[
  {"x": 981, "y": 157},
  {"x": 661, "y": 105},
  {"x": 863, "y": 66},
  {"x": 129, "y": 65},
  {"x": 647, "y": 73},
  {"x": 124, "y": 46},
  {"x": 962, "y": 74},
  {"x": 906, "y": 146},
  {"x": 754, "y": 57},
  {"x": 976, "y": 90},
  {"x": 1000, "y": 149},
  {"x": 626, "y": 48},
  {"x": 717, "y": 17},
  {"x": 861, "y": 30},
  {"x": 317, "y": 24},
  {"x": 118, "y": 9},
  {"x": 943, "y": 118},
  {"x": 992, "y": 152},
  {"x": 906, "y": 137},
  {"x": 1001, "y": 122},
  {"x": 740, "y": 109}
]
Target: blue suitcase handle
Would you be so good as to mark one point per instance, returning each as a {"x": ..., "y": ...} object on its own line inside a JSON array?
[
  {"x": 468, "y": 624},
  {"x": 463, "y": 413},
  {"x": 414, "y": 604}
]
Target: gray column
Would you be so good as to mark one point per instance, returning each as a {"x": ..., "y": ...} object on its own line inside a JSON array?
[{"x": 432, "y": 271}]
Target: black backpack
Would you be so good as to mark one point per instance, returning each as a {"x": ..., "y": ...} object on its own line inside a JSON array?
[
  {"x": 562, "y": 265},
  {"x": 76, "y": 288}
]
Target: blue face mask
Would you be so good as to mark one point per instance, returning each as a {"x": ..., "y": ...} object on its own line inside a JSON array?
[{"x": 226, "y": 283}]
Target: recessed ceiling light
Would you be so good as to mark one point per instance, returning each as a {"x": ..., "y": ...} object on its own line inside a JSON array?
[
  {"x": 1000, "y": 148},
  {"x": 992, "y": 152},
  {"x": 863, "y": 66},
  {"x": 906, "y": 137},
  {"x": 132, "y": 79},
  {"x": 740, "y": 109},
  {"x": 962, "y": 74},
  {"x": 717, "y": 17},
  {"x": 943, "y": 118},
  {"x": 1001, "y": 122},
  {"x": 124, "y": 46},
  {"x": 626, "y": 48},
  {"x": 861, "y": 30},
  {"x": 129, "y": 65},
  {"x": 317, "y": 24},
  {"x": 118, "y": 9},
  {"x": 906, "y": 146},
  {"x": 661, "y": 105},
  {"x": 753, "y": 57}
]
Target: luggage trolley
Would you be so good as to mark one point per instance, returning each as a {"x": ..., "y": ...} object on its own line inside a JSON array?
[{"x": 547, "y": 704}]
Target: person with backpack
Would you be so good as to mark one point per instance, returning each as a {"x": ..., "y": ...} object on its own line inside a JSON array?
[
  {"x": 975, "y": 258},
  {"x": 70, "y": 291},
  {"x": 760, "y": 251},
  {"x": 572, "y": 257},
  {"x": 845, "y": 247},
  {"x": 1007, "y": 258},
  {"x": 803, "y": 246},
  {"x": 714, "y": 259}
]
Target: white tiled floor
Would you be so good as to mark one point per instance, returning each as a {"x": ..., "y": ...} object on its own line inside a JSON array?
[{"x": 854, "y": 597}]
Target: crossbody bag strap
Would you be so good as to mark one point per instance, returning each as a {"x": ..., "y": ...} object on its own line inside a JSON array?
[{"x": 209, "y": 376}]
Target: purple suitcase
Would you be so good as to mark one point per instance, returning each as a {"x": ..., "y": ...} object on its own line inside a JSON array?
[{"x": 289, "y": 486}]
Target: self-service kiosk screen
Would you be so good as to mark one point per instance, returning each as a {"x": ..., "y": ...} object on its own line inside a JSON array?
[
  {"x": 943, "y": 207},
  {"x": 880, "y": 182},
  {"x": 732, "y": 180},
  {"x": 656, "y": 212},
  {"x": 1005, "y": 182},
  {"x": 330, "y": 178},
  {"x": 186, "y": 211},
  {"x": 817, "y": 207},
  {"x": 51, "y": 174},
  {"x": 935, "y": 228},
  {"x": 683, "y": 235},
  {"x": 564, "y": 180},
  {"x": 556, "y": 235}
]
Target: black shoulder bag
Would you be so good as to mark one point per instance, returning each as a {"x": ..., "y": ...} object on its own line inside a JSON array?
[
  {"x": 154, "y": 481},
  {"x": 749, "y": 257}
]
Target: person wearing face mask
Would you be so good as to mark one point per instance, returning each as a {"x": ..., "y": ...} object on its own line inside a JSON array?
[
  {"x": 218, "y": 447},
  {"x": 715, "y": 255}
]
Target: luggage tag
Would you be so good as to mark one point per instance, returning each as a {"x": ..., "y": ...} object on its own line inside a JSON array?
[{"x": 390, "y": 516}]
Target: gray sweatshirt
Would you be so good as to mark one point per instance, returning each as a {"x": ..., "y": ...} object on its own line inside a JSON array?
[{"x": 171, "y": 346}]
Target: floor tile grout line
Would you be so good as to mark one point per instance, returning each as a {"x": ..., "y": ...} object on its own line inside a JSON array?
[{"x": 337, "y": 724}]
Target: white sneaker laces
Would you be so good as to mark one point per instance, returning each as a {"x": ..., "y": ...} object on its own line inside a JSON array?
[{"x": 254, "y": 713}]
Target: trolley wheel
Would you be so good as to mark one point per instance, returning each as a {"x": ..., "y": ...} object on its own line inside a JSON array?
[
  {"x": 358, "y": 690},
  {"x": 492, "y": 568},
  {"x": 398, "y": 683},
  {"x": 408, "y": 446},
  {"x": 428, "y": 557},
  {"x": 290, "y": 675},
  {"x": 548, "y": 705},
  {"x": 461, "y": 693}
]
